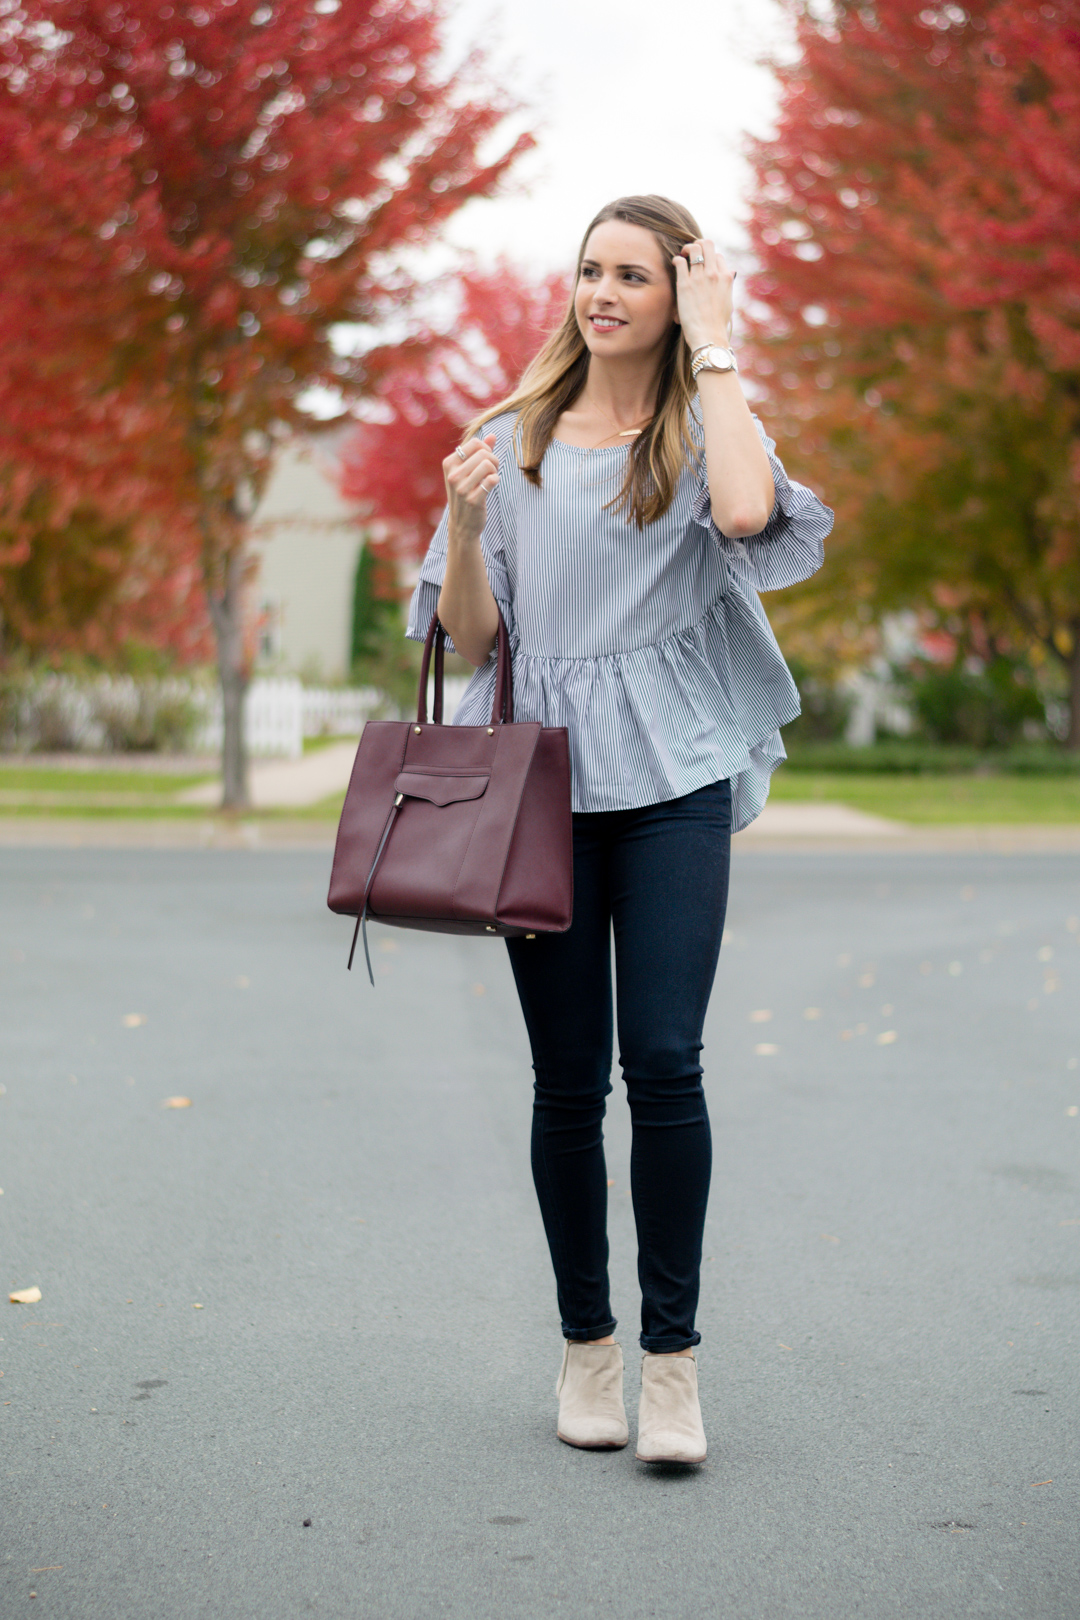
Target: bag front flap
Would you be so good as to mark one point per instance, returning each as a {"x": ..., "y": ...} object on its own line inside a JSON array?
[{"x": 441, "y": 787}]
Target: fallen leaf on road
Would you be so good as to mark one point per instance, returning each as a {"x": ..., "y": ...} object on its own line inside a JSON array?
[
  {"x": 886, "y": 1037},
  {"x": 784, "y": 1346},
  {"x": 611, "y": 1182},
  {"x": 956, "y": 968},
  {"x": 1072, "y": 1111},
  {"x": 25, "y": 1296},
  {"x": 762, "y": 1016},
  {"x": 177, "y": 1102},
  {"x": 846, "y": 1034},
  {"x": 828, "y": 1237},
  {"x": 1045, "y": 953},
  {"x": 133, "y": 1020},
  {"x": 812, "y": 1013},
  {"x": 1037, "y": 1482},
  {"x": 866, "y": 980},
  {"x": 243, "y": 982},
  {"x": 44, "y": 1567},
  {"x": 479, "y": 990},
  {"x": 765, "y": 1049},
  {"x": 197, "y": 1307}
]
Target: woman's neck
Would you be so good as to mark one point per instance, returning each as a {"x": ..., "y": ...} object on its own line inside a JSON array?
[{"x": 623, "y": 393}]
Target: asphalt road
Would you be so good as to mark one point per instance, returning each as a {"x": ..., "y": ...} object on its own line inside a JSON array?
[{"x": 325, "y": 1288}]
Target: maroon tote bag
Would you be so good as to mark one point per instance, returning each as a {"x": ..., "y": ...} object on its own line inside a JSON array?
[{"x": 457, "y": 829}]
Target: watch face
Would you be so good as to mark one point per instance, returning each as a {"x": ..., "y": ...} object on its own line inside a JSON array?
[{"x": 719, "y": 359}]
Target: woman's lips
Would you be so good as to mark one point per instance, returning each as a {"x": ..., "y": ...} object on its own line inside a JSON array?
[{"x": 605, "y": 323}]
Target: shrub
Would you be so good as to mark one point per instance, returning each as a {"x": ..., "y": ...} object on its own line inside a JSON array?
[
  {"x": 987, "y": 707},
  {"x": 51, "y": 713},
  {"x": 825, "y": 708}
]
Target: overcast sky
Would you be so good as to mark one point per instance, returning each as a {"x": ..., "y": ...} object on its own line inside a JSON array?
[{"x": 624, "y": 96}]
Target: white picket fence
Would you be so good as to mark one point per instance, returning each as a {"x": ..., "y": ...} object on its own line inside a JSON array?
[
  {"x": 57, "y": 713},
  {"x": 279, "y": 713}
]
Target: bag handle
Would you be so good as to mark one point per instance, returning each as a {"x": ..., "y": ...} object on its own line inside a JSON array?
[{"x": 502, "y": 708}]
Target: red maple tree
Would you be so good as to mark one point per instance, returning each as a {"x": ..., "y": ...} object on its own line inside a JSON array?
[
  {"x": 199, "y": 201},
  {"x": 917, "y": 324},
  {"x": 428, "y": 390}
]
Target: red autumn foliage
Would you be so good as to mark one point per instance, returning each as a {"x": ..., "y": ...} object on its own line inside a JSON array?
[
  {"x": 430, "y": 388},
  {"x": 195, "y": 199},
  {"x": 917, "y": 325}
]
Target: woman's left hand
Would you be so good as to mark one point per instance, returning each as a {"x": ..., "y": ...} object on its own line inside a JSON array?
[{"x": 704, "y": 294}]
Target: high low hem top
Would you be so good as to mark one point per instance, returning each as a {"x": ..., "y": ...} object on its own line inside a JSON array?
[{"x": 649, "y": 645}]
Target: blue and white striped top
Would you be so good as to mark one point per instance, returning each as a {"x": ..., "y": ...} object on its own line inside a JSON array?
[{"x": 649, "y": 645}]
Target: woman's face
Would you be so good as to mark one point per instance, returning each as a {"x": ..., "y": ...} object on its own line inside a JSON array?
[{"x": 624, "y": 300}]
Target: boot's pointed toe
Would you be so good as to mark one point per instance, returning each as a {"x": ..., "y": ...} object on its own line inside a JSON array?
[
  {"x": 669, "y": 1416},
  {"x": 590, "y": 1391}
]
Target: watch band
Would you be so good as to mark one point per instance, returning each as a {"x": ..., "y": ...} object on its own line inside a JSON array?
[{"x": 702, "y": 360}]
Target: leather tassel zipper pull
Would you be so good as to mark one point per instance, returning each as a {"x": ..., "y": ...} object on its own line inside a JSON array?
[{"x": 361, "y": 921}]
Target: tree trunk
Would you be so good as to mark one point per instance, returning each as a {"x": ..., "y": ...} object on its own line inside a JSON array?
[
  {"x": 226, "y": 612},
  {"x": 1072, "y": 737}
]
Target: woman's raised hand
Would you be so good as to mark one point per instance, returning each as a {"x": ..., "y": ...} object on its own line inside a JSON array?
[
  {"x": 703, "y": 288},
  {"x": 470, "y": 472}
]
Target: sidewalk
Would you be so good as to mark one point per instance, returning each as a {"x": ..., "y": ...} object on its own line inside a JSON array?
[
  {"x": 287, "y": 784},
  {"x": 789, "y": 828}
]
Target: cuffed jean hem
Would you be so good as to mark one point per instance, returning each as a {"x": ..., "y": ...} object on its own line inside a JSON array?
[
  {"x": 664, "y": 1344},
  {"x": 583, "y": 1335}
]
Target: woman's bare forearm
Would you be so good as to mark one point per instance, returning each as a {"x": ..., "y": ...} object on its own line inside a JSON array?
[
  {"x": 466, "y": 606},
  {"x": 741, "y": 487}
]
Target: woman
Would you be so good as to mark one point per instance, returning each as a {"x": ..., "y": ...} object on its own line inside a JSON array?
[{"x": 621, "y": 509}]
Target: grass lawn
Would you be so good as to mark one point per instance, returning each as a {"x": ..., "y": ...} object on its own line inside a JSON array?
[
  {"x": 312, "y": 745},
  {"x": 31, "y": 779},
  {"x": 926, "y": 800}
]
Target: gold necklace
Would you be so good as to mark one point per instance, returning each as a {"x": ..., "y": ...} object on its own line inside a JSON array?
[{"x": 621, "y": 433}]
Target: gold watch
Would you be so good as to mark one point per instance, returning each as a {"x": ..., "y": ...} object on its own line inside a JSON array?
[{"x": 713, "y": 358}]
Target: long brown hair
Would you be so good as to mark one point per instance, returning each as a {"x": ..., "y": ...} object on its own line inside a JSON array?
[{"x": 556, "y": 377}]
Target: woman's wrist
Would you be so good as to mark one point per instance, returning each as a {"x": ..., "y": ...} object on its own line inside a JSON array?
[
  {"x": 698, "y": 343},
  {"x": 459, "y": 541}
]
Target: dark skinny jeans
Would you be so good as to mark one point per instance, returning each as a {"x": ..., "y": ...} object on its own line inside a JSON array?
[{"x": 659, "y": 876}]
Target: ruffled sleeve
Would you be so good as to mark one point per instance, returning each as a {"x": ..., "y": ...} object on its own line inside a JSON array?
[
  {"x": 791, "y": 545},
  {"x": 425, "y": 598}
]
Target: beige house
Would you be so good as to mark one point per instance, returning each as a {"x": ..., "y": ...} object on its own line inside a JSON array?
[{"x": 306, "y": 544}]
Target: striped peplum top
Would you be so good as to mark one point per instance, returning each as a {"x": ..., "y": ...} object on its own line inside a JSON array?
[{"x": 650, "y": 645}]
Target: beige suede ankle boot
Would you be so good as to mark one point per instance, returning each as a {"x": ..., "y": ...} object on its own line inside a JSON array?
[
  {"x": 669, "y": 1417},
  {"x": 590, "y": 1391}
]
